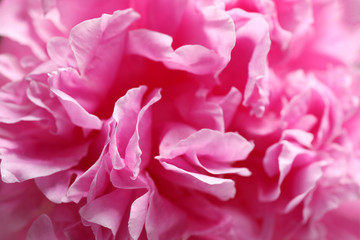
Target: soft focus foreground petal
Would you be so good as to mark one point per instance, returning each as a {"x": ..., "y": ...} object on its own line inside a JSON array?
[
  {"x": 20, "y": 204},
  {"x": 19, "y": 27},
  {"x": 313, "y": 108},
  {"x": 339, "y": 184},
  {"x": 351, "y": 7},
  {"x": 61, "y": 221},
  {"x": 15, "y": 107},
  {"x": 320, "y": 34},
  {"x": 10, "y": 70},
  {"x": 343, "y": 222},
  {"x": 169, "y": 15},
  {"x": 72, "y": 13},
  {"x": 42, "y": 229},
  {"x": 60, "y": 52},
  {"x": 279, "y": 161}
]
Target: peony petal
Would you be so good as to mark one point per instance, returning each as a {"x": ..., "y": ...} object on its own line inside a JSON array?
[
  {"x": 17, "y": 167},
  {"x": 221, "y": 147},
  {"x": 159, "y": 209},
  {"x": 157, "y": 46},
  {"x": 55, "y": 186},
  {"x": 138, "y": 213},
  {"x": 224, "y": 189},
  {"x": 9, "y": 69},
  {"x": 104, "y": 212},
  {"x": 42, "y": 229},
  {"x": 61, "y": 53},
  {"x": 90, "y": 39},
  {"x": 18, "y": 28},
  {"x": 131, "y": 117},
  {"x": 77, "y": 114}
]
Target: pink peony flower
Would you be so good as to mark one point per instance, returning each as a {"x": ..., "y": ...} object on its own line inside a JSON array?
[{"x": 197, "y": 119}]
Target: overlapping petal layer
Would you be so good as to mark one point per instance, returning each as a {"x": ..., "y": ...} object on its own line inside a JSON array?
[{"x": 183, "y": 119}]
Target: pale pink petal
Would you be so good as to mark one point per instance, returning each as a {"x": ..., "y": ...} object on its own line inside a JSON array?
[
  {"x": 10, "y": 69},
  {"x": 17, "y": 166},
  {"x": 60, "y": 52},
  {"x": 81, "y": 185},
  {"x": 221, "y": 147},
  {"x": 156, "y": 46},
  {"x": 77, "y": 114},
  {"x": 168, "y": 14},
  {"x": 103, "y": 212},
  {"x": 200, "y": 112},
  {"x": 15, "y": 107},
  {"x": 72, "y": 13},
  {"x": 18, "y": 27},
  {"x": 138, "y": 213},
  {"x": 98, "y": 34},
  {"x": 229, "y": 104},
  {"x": 89, "y": 42},
  {"x": 224, "y": 189},
  {"x": 252, "y": 44},
  {"x": 159, "y": 209},
  {"x": 132, "y": 125},
  {"x": 55, "y": 186}
]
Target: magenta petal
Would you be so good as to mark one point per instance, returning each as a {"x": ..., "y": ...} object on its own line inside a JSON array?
[{"x": 343, "y": 222}]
